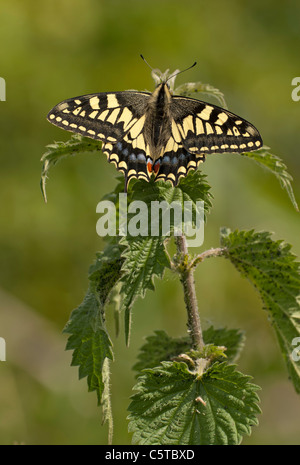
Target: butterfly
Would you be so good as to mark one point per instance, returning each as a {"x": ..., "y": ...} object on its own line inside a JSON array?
[{"x": 155, "y": 134}]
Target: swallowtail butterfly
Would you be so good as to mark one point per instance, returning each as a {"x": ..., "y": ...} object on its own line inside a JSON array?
[{"x": 158, "y": 134}]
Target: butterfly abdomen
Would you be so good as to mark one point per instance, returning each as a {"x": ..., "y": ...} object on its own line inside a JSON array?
[{"x": 157, "y": 123}]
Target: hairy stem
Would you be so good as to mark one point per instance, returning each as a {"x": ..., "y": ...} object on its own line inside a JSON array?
[
  {"x": 188, "y": 283},
  {"x": 207, "y": 254}
]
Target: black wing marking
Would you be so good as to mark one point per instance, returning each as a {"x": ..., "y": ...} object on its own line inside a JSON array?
[
  {"x": 176, "y": 161},
  {"x": 129, "y": 156},
  {"x": 204, "y": 128},
  {"x": 106, "y": 116},
  {"x": 115, "y": 118}
]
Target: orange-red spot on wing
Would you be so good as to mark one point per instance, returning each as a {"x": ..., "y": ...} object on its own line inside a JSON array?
[
  {"x": 156, "y": 167},
  {"x": 149, "y": 167}
]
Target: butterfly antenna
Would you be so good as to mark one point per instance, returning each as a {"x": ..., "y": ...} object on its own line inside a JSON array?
[
  {"x": 153, "y": 70},
  {"x": 146, "y": 62},
  {"x": 183, "y": 71}
]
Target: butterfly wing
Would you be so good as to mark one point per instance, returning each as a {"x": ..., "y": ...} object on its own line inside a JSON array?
[
  {"x": 198, "y": 129},
  {"x": 211, "y": 129},
  {"x": 116, "y": 119}
]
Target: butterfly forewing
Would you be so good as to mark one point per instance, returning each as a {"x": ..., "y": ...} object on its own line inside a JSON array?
[{"x": 207, "y": 128}]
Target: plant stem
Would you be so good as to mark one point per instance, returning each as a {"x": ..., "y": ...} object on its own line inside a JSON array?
[
  {"x": 188, "y": 283},
  {"x": 207, "y": 254}
]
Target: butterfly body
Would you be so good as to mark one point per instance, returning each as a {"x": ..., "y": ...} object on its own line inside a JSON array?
[{"x": 158, "y": 134}]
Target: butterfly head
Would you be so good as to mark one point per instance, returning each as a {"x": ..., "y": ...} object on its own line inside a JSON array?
[{"x": 165, "y": 78}]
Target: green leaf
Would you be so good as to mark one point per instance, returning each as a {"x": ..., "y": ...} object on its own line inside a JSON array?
[
  {"x": 92, "y": 349},
  {"x": 161, "y": 347},
  {"x": 193, "y": 188},
  {"x": 173, "y": 406},
  {"x": 174, "y": 210},
  {"x": 59, "y": 150},
  {"x": 271, "y": 268},
  {"x": 145, "y": 257},
  {"x": 106, "y": 271},
  {"x": 89, "y": 341},
  {"x": 274, "y": 164},
  {"x": 232, "y": 339},
  {"x": 189, "y": 89}
]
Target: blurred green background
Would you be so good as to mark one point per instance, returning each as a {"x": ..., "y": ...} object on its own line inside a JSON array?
[{"x": 56, "y": 49}]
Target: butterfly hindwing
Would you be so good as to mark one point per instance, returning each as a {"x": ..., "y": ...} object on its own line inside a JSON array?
[
  {"x": 176, "y": 162},
  {"x": 128, "y": 156}
]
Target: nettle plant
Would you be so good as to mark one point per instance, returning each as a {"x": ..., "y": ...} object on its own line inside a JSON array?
[{"x": 188, "y": 390}]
